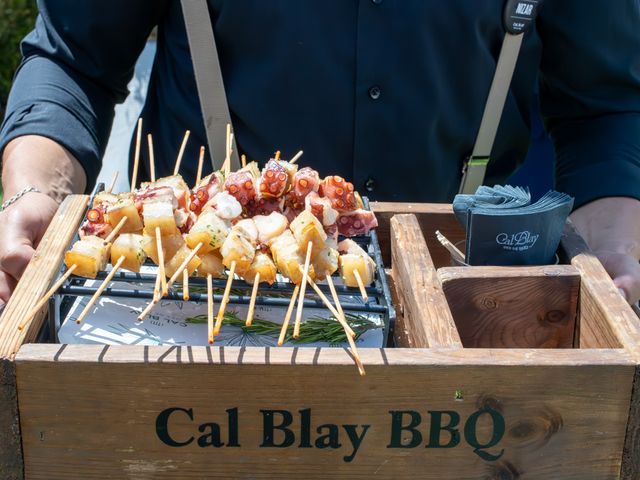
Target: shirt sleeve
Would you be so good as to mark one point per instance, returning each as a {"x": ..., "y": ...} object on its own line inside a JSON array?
[
  {"x": 590, "y": 95},
  {"x": 76, "y": 65}
]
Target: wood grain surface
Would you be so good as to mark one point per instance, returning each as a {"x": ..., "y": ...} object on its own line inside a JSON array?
[
  {"x": 39, "y": 275},
  {"x": 431, "y": 217},
  {"x": 427, "y": 317},
  {"x": 91, "y": 411},
  {"x": 11, "y": 466},
  {"x": 513, "y": 307}
]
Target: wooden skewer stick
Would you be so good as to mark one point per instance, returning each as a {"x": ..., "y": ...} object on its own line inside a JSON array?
[
  {"x": 200, "y": 161},
  {"x": 149, "y": 307},
  {"x": 363, "y": 292},
  {"x": 455, "y": 252},
  {"x": 305, "y": 274},
  {"x": 161, "y": 268},
  {"x": 183, "y": 265},
  {"x": 277, "y": 155},
  {"x": 287, "y": 317},
  {"x": 336, "y": 300},
  {"x": 209, "y": 309},
  {"x": 243, "y": 159},
  {"x": 296, "y": 157},
  {"x": 46, "y": 296},
  {"x": 136, "y": 156},
  {"x": 344, "y": 324},
  {"x": 100, "y": 289},
  {"x": 252, "y": 302},
  {"x": 113, "y": 181},
  {"x": 225, "y": 299},
  {"x": 152, "y": 160},
  {"x": 176, "y": 169},
  {"x": 116, "y": 230},
  {"x": 157, "y": 287},
  {"x": 341, "y": 319},
  {"x": 185, "y": 284},
  {"x": 226, "y": 166}
]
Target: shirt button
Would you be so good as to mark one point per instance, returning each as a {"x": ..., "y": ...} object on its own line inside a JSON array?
[
  {"x": 376, "y": 2},
  {"x": 374, "y": 92},
  {"x": 370, "y": 184}
]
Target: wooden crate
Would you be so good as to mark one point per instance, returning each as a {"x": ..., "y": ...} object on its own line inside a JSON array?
[{"x": 499, "y": 373}]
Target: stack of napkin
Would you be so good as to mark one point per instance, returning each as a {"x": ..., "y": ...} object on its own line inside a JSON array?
[{"x": 504, "y": 228}]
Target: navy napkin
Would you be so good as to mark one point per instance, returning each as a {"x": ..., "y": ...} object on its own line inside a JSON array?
[{"x": 504, "y": 228}]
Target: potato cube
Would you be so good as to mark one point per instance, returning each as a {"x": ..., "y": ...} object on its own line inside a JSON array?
[
  {"x": 159, "y": 215},
  {"x": 211, "y": 264},
  {"x": 125, "y": 207},
  {"x": 209, "y": 229},
  {"x": 174, "y": 262},
  {"x": 131, "y": 246},
  {"x": 89, "y": 255}
]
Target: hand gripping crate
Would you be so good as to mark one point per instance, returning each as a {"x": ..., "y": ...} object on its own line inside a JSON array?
[{"x": 496, "y": 373}]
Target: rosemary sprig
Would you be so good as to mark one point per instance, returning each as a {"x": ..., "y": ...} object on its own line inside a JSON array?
[{"x": 314, "y": 329}]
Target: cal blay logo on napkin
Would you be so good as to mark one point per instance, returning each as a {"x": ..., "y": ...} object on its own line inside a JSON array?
[{"x": 504, "y": 228}]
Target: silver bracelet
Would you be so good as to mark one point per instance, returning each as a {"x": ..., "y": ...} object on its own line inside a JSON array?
[{"x": 17, "y": 196}]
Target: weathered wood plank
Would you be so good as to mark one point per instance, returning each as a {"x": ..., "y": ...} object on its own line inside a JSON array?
[
  {"x": 431, "y": 217},
  {"x": 606, "y": 318},
  {"x": 10, "y": 446},
  {"x": 427, "y": 318},
  {"x": 513, "y": 307},
  {"x": 38, "y": 276},
  {"x": 103, "y": 405}
]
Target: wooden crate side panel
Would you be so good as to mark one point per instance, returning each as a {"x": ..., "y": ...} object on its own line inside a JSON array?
[
  {"x": 513, "y": 307},
  {"x": 92, "y": 414},
  {"x": 10, "y": 446},
  {"x": 427, "y": 318},
  {"x": 431, "y": 217},
  {"x": 38, "y": 276}
]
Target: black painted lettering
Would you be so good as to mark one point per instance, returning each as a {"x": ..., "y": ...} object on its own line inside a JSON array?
[
  {"x": 471, "y": 434},
  {"x": 397, "y": 427},
  {"x": 162, "y": 426},
  {"x": 269, "y": 427},
  {"x": 305, "y": 428},
  {"x": 330, "y": 439},
  {"x": 436, "y": 428},
  {"x": 211, "y": 437},
  {"x": 232, "y": 416},
  {"x": 356, "y": 440}
]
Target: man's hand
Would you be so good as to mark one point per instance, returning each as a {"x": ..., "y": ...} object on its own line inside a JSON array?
[
  {"x": 23, "y": 225},
  {"x": 42, "y": 163},
  {"x": 611, "y": 227}
]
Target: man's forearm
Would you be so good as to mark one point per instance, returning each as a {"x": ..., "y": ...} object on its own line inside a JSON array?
[
  {"x": 40, "y": 162},
  {"x": 610, "y": 225}
]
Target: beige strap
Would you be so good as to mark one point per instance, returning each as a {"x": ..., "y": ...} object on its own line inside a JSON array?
[
  {"x": 476, "y": 168},
  {"x": 206, "y": 67}
]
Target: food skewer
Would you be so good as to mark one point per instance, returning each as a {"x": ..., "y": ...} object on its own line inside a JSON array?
[
  {"x": 252, "y": 302},
  {"x": 225, "y": 299},
  {"x": 176, "y": 169},
  {"x": 305, "y": 274},
  {"x": 200, "y": 161},
  {"x": 47, "y": 295},
  {"x": 185, "y": 284},
  {"x": 344, "y": 324},
  {"x": 209, "y": 309},
  {"x": 363, "y": 292},
  {"x": 100, "y": 289},
  {"x": 455, "y": 252},
  {"x": 161, "y": 269},
  {"x": 296, "y": 157},
  {"x": 184, "y": 265},
  {"x": 116, "y": 230},
  {"x": 113, "y": 181},
  {"x": 179, "y": 270},
  {"x": 136, "y": 156},
  {"x": 152, "y": 162},
  {"x": 287, "y": 317}
]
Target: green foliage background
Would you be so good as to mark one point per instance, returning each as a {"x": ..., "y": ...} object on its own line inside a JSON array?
[{"x": 17, "y": 18}]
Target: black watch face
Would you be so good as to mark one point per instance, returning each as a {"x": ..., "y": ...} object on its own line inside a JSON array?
[{"x": 519, "y": 15}]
